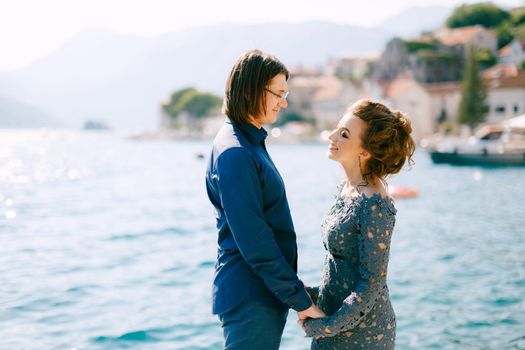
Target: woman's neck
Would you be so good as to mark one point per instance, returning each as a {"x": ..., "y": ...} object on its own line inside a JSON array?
[
  {"x": 357, "y": 184},
  {"x": 354, "y": 178}
]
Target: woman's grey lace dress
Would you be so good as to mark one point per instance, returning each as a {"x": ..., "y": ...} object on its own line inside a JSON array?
[{"x": 353, "y": 292}]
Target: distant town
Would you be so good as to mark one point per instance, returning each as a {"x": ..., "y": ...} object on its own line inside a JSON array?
[{"x": 423, "y": 77}]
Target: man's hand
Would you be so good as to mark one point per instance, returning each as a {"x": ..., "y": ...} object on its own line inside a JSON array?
[{"x": 312, "y": 312}]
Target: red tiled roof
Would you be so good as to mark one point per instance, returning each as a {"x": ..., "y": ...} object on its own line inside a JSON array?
[
  {"x": 517, "y": 81},
  {"x": 500, "y": 70},
  {"x": 505, "y": 50},
  {"x": 460, "y": 36}
]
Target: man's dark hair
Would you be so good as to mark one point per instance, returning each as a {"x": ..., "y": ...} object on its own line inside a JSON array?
[{"x": 244, "y": 94}]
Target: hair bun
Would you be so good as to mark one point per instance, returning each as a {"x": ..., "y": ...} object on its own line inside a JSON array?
[{"x": 404, "y": 123}]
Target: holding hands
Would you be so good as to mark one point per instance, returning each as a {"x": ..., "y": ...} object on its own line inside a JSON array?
[{"x": 312, "y": 312}]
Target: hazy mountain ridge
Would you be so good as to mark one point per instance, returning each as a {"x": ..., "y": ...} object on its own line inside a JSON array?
[
  {"x": 121, "y": 79},
  {"x": 14, "y": 114}
]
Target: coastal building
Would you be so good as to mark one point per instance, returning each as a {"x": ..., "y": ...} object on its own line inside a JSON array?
[
  {"x": 426, "y": 105},
  {"x": 323, "y": 97},
  {"x": 351, "y": 67},
  {"x": 460, "y": 40},
  {"x": 506, "y": 98},
  {"x": 512, "y": 53},
  {"x": 430, "y": 105}
]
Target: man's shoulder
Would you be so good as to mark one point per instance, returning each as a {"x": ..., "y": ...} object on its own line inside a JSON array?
[{"x": 229, "y": 138}]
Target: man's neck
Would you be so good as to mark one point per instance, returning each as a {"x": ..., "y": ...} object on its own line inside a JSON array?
[{"x": 254, "y": 122}]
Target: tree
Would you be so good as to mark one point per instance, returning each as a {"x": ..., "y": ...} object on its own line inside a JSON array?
[
  {"x": 473, "y": 107},
  {"x": 518, "y": 15},
  {"x": 172, "y": 107},
  {"x": 197, "y": 104},
  {"x": 485, "y": 14},
  {"x": 485, "y": 58},
  {"x": 417, "y": 45},
  {"x": 505, "y": 33}
]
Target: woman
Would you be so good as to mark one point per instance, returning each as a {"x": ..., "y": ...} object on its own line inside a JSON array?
[
  {"x": 370, "y": 142},
  {"x": 256, "y": 269}
]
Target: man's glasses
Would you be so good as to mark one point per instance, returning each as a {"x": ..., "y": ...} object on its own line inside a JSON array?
[{"x": 283, "y": 96}]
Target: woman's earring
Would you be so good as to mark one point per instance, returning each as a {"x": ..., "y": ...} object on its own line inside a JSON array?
[{"x": 360, "y": 168}]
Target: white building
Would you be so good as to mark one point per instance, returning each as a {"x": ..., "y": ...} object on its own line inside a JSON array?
[
  {"x": 512, "y": 53},
  {"x": 506, "y": 96}
]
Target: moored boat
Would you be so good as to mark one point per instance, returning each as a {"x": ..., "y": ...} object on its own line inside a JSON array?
[{"x": 501, "y": 144}]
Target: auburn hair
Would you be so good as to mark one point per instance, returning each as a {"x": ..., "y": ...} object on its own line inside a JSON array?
[{"x": 386, "y": 137}]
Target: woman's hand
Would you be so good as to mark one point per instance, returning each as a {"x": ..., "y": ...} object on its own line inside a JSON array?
[{"x": 301, "y": 323}]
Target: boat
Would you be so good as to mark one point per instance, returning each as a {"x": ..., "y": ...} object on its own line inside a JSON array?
[{"x": 498, "y": 144}]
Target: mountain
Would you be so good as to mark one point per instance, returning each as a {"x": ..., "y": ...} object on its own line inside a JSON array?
[
  {"x": 121, "y": 79},
  {"x": 14, "y": 114}
]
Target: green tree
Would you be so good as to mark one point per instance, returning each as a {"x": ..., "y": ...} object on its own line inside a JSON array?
[
  {"x": 192, "y": 101},
  {"x": 417, "y": 45},
  {"x": 473, "y": 107},
  {"x": 484, "y": 13},
  {"x": 172, "y": 108},
  {"x": 198, "y": 104},
  {"x": 518, "y": 15},
  {"x": 505, "y": 33},
  {"x": 519, "y": 32},
  {"x": 485, "y": 58}
]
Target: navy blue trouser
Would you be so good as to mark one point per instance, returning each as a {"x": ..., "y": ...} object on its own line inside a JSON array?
[{"x": 253, "y": 325}]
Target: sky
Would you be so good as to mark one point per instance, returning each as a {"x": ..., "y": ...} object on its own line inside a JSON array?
[{"x": 32, "y": 29}]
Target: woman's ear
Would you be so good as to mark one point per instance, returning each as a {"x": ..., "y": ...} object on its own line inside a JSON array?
[{"x": 365, "y": 155}]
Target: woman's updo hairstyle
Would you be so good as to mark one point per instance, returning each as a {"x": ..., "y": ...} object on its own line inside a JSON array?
[{"x": 387, "y": 138}]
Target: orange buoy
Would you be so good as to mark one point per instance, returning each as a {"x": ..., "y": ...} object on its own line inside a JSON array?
[{"x": 403, "y": 192}]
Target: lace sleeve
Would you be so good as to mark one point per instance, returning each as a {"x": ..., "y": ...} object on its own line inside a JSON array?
[{"x": 376, "y": 222}]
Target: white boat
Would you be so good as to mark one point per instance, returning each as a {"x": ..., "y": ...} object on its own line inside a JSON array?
[{"x": 501, "y": 144}]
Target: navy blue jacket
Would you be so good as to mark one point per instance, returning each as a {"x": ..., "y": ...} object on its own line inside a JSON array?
[{"x": 257, "y": 249}]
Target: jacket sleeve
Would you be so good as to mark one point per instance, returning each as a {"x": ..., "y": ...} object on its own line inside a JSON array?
[
  {"x": 376, "y": 223},
  {"x": 240, "y": 194}
]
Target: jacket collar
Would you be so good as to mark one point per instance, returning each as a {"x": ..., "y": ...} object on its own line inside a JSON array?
[{"x": 255, "y": 135}]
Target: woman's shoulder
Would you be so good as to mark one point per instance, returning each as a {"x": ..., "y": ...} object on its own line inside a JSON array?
[{"x": 371, "y": 200}]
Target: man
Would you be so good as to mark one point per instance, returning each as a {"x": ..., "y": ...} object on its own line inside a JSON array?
[{"x": 256, "y": 269}]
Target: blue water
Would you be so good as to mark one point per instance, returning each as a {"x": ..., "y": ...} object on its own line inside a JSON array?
[{"x": 109, "y": 243}]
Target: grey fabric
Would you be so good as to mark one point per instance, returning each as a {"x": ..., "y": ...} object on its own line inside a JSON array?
[{"x": 353, "y": 292}]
